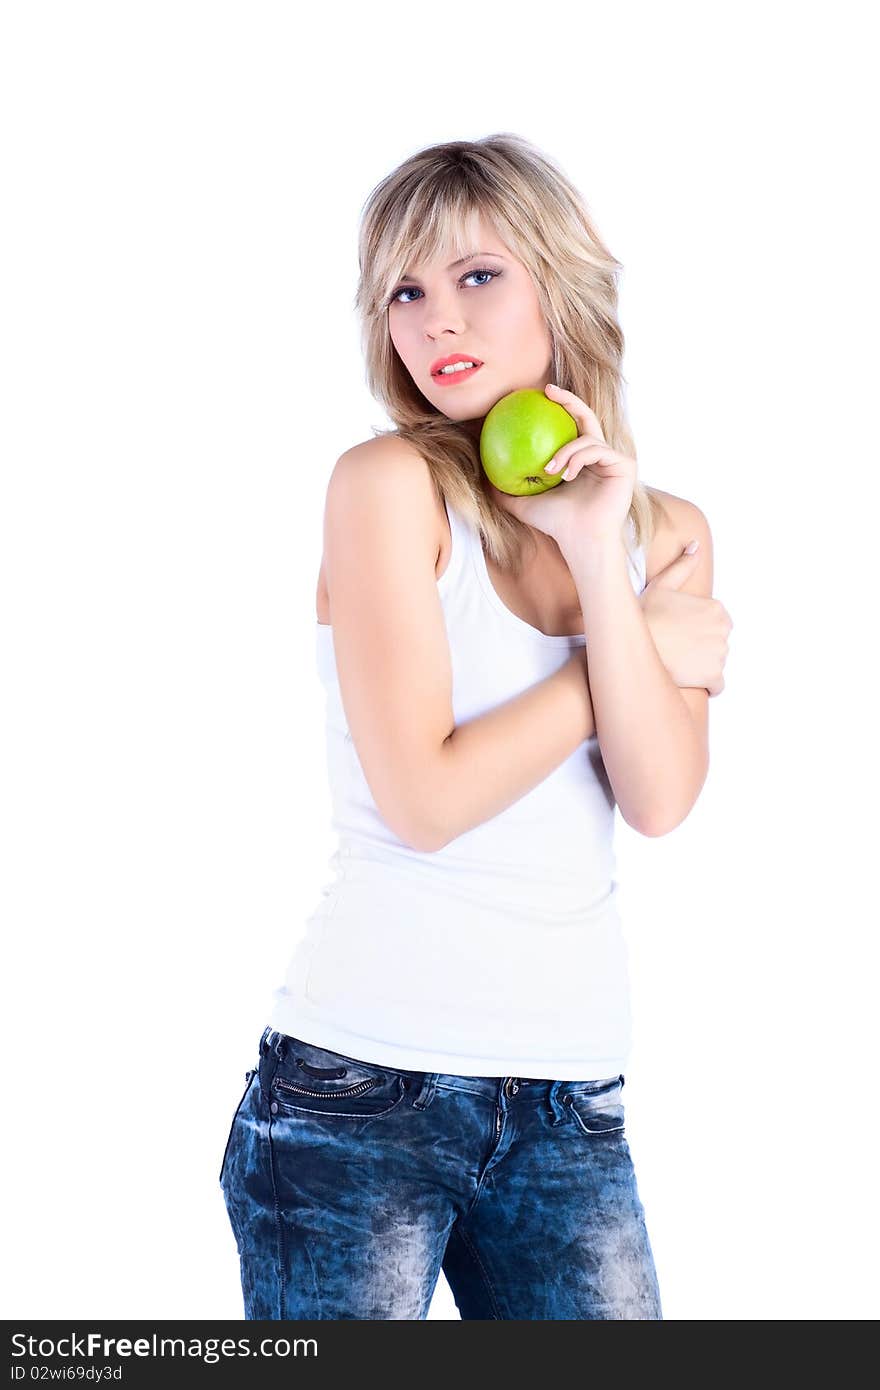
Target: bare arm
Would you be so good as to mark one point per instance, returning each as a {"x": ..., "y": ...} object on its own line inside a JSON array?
[
  {"x": 489, "y": 762},
  {"x": 430, "y": 780},
  {"x": 653, "y": 736}
]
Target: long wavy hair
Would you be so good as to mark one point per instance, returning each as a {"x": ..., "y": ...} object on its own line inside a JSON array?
[{"x": 421, "y": 210}]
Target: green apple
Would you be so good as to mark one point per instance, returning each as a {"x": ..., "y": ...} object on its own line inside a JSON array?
[{"x": 520, "y": 434}]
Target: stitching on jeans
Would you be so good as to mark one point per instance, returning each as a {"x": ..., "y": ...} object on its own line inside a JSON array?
[
  {"x": 482, "y": 1268},
  {"x": 584, "y": 1127},
  {"x": 250, "y": 1077},
  {"x": 279, "y": 1227},
  {"x": 465, "y": 1090},
  {"x": 287, "y": 1107}
]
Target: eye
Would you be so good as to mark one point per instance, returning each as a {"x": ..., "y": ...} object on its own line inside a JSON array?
[{"x": 409, "y": 289}]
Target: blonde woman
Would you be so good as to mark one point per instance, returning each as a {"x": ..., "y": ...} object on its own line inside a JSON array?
[{"x": 440, "y": 1084}]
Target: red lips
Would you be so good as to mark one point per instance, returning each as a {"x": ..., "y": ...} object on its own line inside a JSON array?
[{"x": 450, "y": 361}]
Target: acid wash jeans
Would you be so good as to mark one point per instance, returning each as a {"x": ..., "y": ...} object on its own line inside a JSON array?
[{"x": 350, "y": 1185}]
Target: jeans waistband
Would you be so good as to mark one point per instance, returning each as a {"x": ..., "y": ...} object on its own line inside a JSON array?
[{"x": 505, "y": 1090}]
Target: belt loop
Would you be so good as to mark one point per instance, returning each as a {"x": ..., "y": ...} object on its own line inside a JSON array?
[
  {"x": 553, "y": 1100},
  {"x": 272, "y": 1041},
  {"x": 426, "y": 1091},
  {"x": 271, "y": 1052}
]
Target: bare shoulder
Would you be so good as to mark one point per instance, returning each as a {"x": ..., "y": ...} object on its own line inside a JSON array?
[
  {"x": 390, "y": 643},
  {"x": 385, "y": 446},
  {"x": 400, "y": 471},
  {"x": 389, "y": 451},
  {"x": 391, "y": 471},
  {"x": 678, "y": 522}
]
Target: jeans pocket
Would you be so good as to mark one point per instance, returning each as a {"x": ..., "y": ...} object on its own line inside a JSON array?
[
  {"x": 249, "y": 1076},
  {"x": 312, "y": 1080},
  {"x": 596, "y": 1106}
]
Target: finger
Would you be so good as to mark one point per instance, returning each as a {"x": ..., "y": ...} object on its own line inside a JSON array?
[
  {"x": 562, "y": 456},
  {"x": 590, "y": 455},
  {"x": 587, "y": 420},
  {"x": 584, "y": 443},
  {"x": 678, "y": 570},
  {"x": 577, "y": 465}
]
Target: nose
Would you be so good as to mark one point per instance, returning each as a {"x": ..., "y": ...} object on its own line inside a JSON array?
[{"x": 443, "y": 316}]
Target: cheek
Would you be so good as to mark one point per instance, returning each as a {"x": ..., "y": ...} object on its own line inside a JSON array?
[
  {"x": 398, "y": 342},
  {"x": 523, "y": 320},
  {"x": 537, "y": 323}
]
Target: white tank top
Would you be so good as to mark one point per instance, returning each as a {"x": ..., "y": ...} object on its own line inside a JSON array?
[{"x": 502, "y": 953}]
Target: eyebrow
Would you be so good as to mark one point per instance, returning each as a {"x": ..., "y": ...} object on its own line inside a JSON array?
[{"x": 408, "y": 275}]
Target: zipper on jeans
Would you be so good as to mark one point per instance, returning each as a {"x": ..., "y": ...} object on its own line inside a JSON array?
[
  {"x": 511, "y": 1086},
  {"x": 280, "y": 1084}
]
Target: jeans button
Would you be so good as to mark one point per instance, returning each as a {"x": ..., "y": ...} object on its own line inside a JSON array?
[{"x": 274, "y": 1107}]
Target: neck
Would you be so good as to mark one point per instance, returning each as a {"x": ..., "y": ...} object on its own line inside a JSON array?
[{"x": 473, "y": 429}]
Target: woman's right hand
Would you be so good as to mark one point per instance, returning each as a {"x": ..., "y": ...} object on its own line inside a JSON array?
[{"x": 689, "y": 631}]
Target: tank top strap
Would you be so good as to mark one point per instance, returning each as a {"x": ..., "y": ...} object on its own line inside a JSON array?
[
  {"x": 467, "y": 543},
  {"x": 462, "y": 540},
  {"x": 636, "y": 556}
]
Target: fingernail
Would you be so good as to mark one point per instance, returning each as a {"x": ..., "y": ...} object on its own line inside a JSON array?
[
  {"x": 552, "y": 466},
  {"x": 692, "y": 548}
]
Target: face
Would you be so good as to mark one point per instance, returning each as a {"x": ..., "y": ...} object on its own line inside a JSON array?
[{"x": 486, "y": 308}]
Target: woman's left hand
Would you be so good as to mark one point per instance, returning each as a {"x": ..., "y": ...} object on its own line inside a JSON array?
[{"x": 593, "y": 502}]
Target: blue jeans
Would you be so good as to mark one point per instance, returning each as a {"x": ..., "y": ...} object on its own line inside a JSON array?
[{"x": 350, "y": 1185}]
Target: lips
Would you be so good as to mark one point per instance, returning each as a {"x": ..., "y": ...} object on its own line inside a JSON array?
[
  {"x": 450, "y": 361},
  {"x": 457, "y": 378}
]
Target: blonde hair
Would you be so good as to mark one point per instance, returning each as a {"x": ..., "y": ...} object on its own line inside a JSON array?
[{"x": 421, "y": 210}]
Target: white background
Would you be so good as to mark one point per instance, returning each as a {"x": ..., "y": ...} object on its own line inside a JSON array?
[{"x": 181, "y": 368}]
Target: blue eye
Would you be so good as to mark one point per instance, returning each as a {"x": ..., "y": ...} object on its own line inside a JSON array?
[{"x": 408, "y": 289}]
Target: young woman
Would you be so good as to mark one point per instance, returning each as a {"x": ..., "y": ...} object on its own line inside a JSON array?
[{"x": 440, "y": 1084}]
